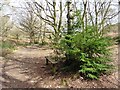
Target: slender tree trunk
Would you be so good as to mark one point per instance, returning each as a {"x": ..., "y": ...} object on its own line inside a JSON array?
[
  {"x": 68, "y": 18},
  {"x": 69, "y": 31}
]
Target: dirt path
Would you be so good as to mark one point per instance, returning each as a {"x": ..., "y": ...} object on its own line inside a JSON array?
[{"x": 27, "y": 69}]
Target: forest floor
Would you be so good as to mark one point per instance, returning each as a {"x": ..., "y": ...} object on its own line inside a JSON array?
[{"x": 26, "y": 68}]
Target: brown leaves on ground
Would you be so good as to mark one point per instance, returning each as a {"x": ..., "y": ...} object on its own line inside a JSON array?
[{"x": 26, "y": 68}]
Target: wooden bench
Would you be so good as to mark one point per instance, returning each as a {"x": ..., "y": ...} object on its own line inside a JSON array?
[
  {"x": 50, "y": 60},
  {"x": 53, "y": 62}
]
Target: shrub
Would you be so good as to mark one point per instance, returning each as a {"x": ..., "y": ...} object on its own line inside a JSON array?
[
  {"x": 6, "y": 48},
  {"x": 87, "y": 53},
  {"x": 7, "y": 44}
]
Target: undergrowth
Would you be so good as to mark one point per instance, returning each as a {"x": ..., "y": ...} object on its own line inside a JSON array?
[{"x": 6, "y": 48}]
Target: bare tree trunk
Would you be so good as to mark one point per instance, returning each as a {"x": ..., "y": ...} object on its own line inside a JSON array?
[{"x": 68, "y": 18}]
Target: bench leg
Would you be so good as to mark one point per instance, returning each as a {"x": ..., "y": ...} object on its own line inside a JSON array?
[
  {"x": 54, "y": 69},
  {"x": 46, "y": 61}
]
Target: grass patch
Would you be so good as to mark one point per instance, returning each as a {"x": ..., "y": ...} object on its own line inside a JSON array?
[{"x": 6, "y": 48}]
